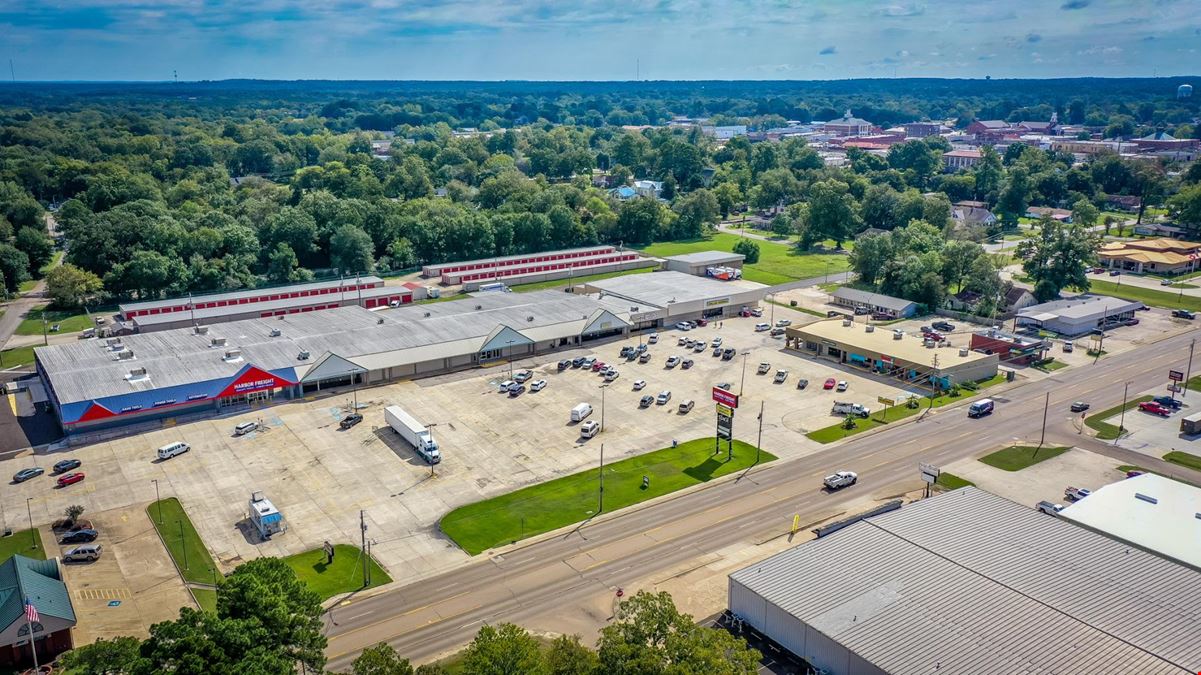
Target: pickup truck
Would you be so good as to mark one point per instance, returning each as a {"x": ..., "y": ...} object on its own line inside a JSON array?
[
  {"x": 1073, "y": 494},
  {"x": 839, "y": 480},
  {"x": 847, "y": 408}
]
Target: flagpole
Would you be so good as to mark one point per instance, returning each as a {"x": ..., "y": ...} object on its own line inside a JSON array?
[{"x": 33, "y": 647}]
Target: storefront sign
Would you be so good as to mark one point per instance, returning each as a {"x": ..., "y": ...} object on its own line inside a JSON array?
[
  {"x": 1175, "y": 375},
  {"x": 725, "y": 398},
  {"x": 725, "y": 423}
]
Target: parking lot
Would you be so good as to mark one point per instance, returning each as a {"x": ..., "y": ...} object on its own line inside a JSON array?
[
  {"x": 321, "y": 476},
  {"x": 1043, "y": 481}
]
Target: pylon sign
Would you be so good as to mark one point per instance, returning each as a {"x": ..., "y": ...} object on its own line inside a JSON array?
[{"x": 725, "y": 422}]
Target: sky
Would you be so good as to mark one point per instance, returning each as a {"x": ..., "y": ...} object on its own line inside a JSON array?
[{"x": 594, "y": 40}]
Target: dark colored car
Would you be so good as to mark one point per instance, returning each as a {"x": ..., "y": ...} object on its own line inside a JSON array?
[
  {"x": 943, "y": 326},
  {"x": 564, "y": 364},
  {"x": 1169, "y": 402},
  {"x": 80, "y": 537},
  {"x": 66, "y": 465},
  {"x": 70, "y": 479},
  {"x": 686, "y": 364},
  {"x": 350, "y": 420},
  {"x": 517, "y": 391},
  {"x": 1114, "y": 273},
  {"x": 577, "y": 362},
  {"x": 1183, "y": 314},
  {"x": 25, "y": 474},
  {"x": 728, "y": 354},
  {"x": 646, "y": 401},
  {"x": 1079, "y": 406},
  {"x": 802, "y": 383}
]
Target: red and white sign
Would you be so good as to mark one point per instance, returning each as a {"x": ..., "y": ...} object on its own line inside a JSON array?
[
  {"x": 253, "y": 379},
  {"x": 725, "y": 398}
]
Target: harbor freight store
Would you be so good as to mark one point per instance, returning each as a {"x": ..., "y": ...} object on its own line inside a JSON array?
[{"x": 893, "y": 352}]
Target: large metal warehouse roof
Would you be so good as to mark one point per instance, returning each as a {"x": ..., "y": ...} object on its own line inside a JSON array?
[{"x": 968, "y": 582}]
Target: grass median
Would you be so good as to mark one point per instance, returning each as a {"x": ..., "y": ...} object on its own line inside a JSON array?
[
  {"x": 190, "y": 554},
  {"x": 878, "y": 418},
  {"x": 572, "y": 499},
  {"x": 778, "y": 263},
  {"x": 1105, "y": 430},
  {"x": 26, "y": 542},
  {"x": 1018, "y": 457},
  {"x": 949, "y": 481},
  {"x": 1185, "y": 459},
  {"x": 343, "y": 575}
]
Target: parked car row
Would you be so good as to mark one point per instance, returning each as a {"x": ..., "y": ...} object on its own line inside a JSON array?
[{"x": 62, "y": 469}]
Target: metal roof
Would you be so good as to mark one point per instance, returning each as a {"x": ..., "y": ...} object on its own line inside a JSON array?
[
  {"x": 707, "y": 257},
  {"x": 1080, "y": 307},
  {"x": 663, "y": 289},
  {"x": 874, "y": 299},
  {"x": 271, "y": 305},
  {"x": 40, "y": 581},
  {"x": 969, "y": 582},
  {"x": 88, "y": 369},
  {"x": 1166, "y": 518},
  {"x": 252, "y": 293}
]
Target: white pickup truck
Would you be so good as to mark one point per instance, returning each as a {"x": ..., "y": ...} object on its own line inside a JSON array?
[
  {"x": 839, "y": 480},
  {"x": 848, "y": 408}
]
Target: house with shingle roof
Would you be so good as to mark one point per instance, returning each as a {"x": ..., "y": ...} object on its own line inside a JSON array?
[{"x": 41, "y": 582}]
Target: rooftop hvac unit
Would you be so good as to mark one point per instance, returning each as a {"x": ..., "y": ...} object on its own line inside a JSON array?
[
  {"x": 217, "y": 342},
  {"x": 113, "y": 342},
  {"x": 379, "y": 321},
  {"x": 846, "y": 322},
  {"x": 530, "y": 318},
  {"x": 233, "y": 354},
  {"x": 125, "y": 354},
  {"x": 201, "y": 330},
  {"x": 274, "y": 332},
  {"x": 303, "y": 356},
  {"x": 870, "y": 329},
  {"x": 963, "y": 351},
  {"x": 136, "y": 373},
  {"x": 898, "y": 334},
  {"x": 479, "y": 307},
  {"x": 427, "y": 315}
]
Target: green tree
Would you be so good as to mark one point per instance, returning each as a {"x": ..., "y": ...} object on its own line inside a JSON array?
[
  {"x": 503, "y": 650},
  {"x": 36, "y": 246},
  {"x": 728, "y": 196},
  {"x": 697, "y": 210},
  {"x": 1057, "y": 256},
  {"x": 870, "y": 255},
  {"x": 266, "y": 592},
  {"x": 14, "y": 267},
  {"x": 1085, "y": 214},
  {"x": 1185, "y": 207},
  {"x": 351, "y": 250},
  {"x": 749, "y": 249},
  {"x": 958, "y": 256},
  {"x": 566, "y": 656},
  {"x": 69, "y": 286},
  {"x": 988, "y": 173},
  {"x": 149, "y": 274},
  {"x": 118, "y": 656},
  {"x": 833, "y": 213},
  {"x": 1015, "y": 197},
  {"x": 381, "y": 659},
  {"x": 639, "y": 221}
]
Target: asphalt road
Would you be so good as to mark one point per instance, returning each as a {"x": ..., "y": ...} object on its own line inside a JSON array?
[{"x": 442, "y": 613}]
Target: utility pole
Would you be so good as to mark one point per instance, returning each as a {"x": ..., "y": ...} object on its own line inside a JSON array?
[
  {"x": 759, "y": 438},
  {"x": 183, "y": 543},
  {"x": 742, "y": 384},
  {"x": 33, "y": 535},
  {"x": 600, "y": 491},
  {"x": 158, "y": 500},
  {"x": 772, "y": 317},
  {"x": 45, "y": 341},
  {"x": 363, "y": 544},
  {"x": 603, "y": 387},
  {"x": 1046, "y": 405},
  {"x": 1122, "y": 420},
  {"x": 510, "y": 343},
  {"x": 1188, "y": 369}
]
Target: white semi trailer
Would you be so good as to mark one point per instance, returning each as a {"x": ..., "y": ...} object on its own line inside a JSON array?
[{"x": 413, "y": 432}]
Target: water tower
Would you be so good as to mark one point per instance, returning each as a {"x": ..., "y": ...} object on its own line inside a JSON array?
[{"x": 1184, "y": 91}]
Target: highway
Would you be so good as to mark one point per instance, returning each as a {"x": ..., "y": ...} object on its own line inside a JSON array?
[{"x": 439, "y": 614}]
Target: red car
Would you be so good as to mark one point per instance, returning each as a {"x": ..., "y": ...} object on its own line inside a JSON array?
[
  {"x": 1155, "y": 408},
  {"x": 937, "y": 337},
  {"x": 702, "y": 322},
  {"x": 70, "y": 479},
  {"x": 598, "y": 365},
  {"x": 829, "y": 383}
]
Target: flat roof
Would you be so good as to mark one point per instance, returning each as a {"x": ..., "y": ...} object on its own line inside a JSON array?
[
  {"x": 1168, "y": 523},
  {"x": 269, "y": 305},
  {"x": 969, "y": 582},
  {"x": 875, "y": 299},
  {"x": 251, "y": 293},
  {"x": 910, "y": 348},
  {"x": 88, "y": 369},
  {"x": 663, "y": 289},
  {"x": 501, "y": 260},
  {"x": 707, "y": 257},
  {"x": 1080, "y": 307}
]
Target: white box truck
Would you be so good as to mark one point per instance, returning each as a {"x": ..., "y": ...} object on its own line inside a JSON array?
[
  {"x": 414, "y": 432},
  {"x": 581, "y": 411}
]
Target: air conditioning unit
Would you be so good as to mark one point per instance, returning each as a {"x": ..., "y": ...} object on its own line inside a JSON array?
[
  {"x": 427, "y": 315},
  {"x": 963, "y": 351},
  {"x": 303, "y": 356},
  {"x": 114, "y": 342},
  {"x": 125, "y": 354},
  {"x": 479, "y": 307},
  {"x": 201, "y": 330},
  {"x": 274, "y": 332},
  {"x": 137, "y": 373},
  {"x": 233, "y": 355},
  {"x": 846, "y": 322},
  {"x": 380, "y": 321},
  {"x": 217, "y": 342},
  {"x": 870, "y": 329},
  {"x": 530, "y": 318}
]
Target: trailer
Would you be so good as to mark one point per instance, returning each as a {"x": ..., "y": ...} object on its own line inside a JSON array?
[
  {"x": 265, "y": 517},
  {"x": 1191, "y": 425},
  {"x": 413, "y": 432}
]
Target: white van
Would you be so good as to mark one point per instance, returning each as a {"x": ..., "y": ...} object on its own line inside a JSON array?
[
  {"x": 686, "y": 406},
  {"x": 760, "y": 327},
  {"x": 581, "y": 411},
  {"x": 173, "y": 449},
  {"x": 245, "y": 428}
]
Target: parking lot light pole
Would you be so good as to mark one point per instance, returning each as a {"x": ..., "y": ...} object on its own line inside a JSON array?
[
  {"x": 742, "y": 384},
  {"x": 158, "y": 501},
  {"x": 1122, "y": 420},
  {"x": 759, "y": 439},
  {"x": 510, "y": 359},
  {"x": 33, "y": 535},
  {"x": 603, "y": 387},
  {"x": 771, "y": 300},
  {"x": 600, "y": 486},
  {"x": 184, "y": 543}
]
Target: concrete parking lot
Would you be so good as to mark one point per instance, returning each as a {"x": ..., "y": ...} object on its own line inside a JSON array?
[
  {"x": 1043, "y": 481},
  {"x": 321, "y": 476}
]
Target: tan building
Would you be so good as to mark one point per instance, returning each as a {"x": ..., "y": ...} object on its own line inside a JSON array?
[
  {"x": 894, "y": 353},
  {"x": 1161, "y": 256}
]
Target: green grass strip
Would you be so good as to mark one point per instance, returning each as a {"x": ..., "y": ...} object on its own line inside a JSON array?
[
  {"x": 190, "y": 554},
  {"x": 344, "y": 575},
  {"x": 1105, "y": 430},
  {"x": 1018, "y": 457}
]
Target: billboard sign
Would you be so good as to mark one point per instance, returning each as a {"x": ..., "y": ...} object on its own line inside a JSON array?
[
  {"x": 725, "y": 423},
  {"x": 930, "y": 472},
  {"x": 1175, "y": 375},
  {"x": 885, "y": 401},
  {"x": 725, "y": 398}
]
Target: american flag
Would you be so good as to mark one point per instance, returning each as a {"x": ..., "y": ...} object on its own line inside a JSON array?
[{"x": 31, "y": 612}]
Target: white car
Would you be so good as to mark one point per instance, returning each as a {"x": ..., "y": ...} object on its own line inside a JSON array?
[
  {"x": 612, "y": 375},
  {"x": 504, "y": 386},
  {"x": 683, "y": 325},
  {"x": 842, "y": 386},
  {"x": 653, "y": 338},
  {"x": 782, "y": 323},
  {"x": 764, "y": 367},
  {"x": 699, "y": 347},
  {"x": 716, "y": 342},
  {"x": 682, "y": 341},
  {"x": 639, "y": 385},
  {"x": 837, "y": 481},
  {"x": 663, "y": 397},
  {"x": 673, "y": 361},
  {"x": 589, "y": 429},
  {"x": 781, "y": 375},
  {"x": 538, "y": 385}
]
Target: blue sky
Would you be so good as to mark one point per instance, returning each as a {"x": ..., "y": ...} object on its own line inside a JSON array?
[{"x": 593, "y": 40}]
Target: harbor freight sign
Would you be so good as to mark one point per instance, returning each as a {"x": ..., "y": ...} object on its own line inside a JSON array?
[{"x": 725, "y": 398}]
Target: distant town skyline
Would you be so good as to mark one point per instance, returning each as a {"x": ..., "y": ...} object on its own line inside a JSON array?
[{"x": 590, "y": 40}]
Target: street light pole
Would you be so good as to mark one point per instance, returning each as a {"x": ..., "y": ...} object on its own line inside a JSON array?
[
  {"x": 510, "y": 343},
  {"x": 759, "y": 438},
  {"x": 1188, "y": 369},
  {"x": 772, "y": 312},
  {"x": 603, "y": 387},
  {"x": 1046, "y": 405},
  {"x": 600, "y": 490},
  {"x": 158, "y": 501},
  {"x": 742, "y": 384},
  {"x": 183, "y": 543},
  {"x": 1122, "y": 420},
  {"x": 33, "y": 535}
]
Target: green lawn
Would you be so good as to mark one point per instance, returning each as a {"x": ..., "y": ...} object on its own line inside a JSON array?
[
  {"x": 27, "y": 285},
  {"x": 189, "y": 552},
  {"x": 206, "y": 598},
  {"x": 1185, "y": 459},
  {"x": 1018, "y": 457},
  {"x": 1153, "y": 298},
  {"x": 778, "y": 263},
  {"x": 571, "y": 499},
  {"x": 836, "y": 432},
  {"x": 563, "y": 283},
  {"x": 69, "y": 322},
  {"x": 1105, "y": 430},
  {"x": 803, "y": 310},
  {"x": 1051, "y": 366},
  {"x": 26, "y": 542},
  {"x": 20, "y": 356},
  {"x": 949, "y": 481},
  {"x": 344, "y": 575}
]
